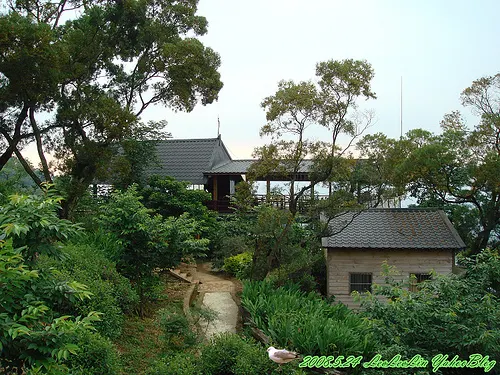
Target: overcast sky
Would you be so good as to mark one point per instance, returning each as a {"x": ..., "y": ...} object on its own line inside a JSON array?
[{"x": 438, "y": 47}]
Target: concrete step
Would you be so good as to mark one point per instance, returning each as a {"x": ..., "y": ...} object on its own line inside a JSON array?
[{"x": 181, "y": 275}]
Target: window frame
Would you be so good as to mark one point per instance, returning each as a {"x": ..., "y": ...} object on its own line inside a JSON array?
[
  {"x": 420, "y": 277},
  {"x": 357, "y": 286}
]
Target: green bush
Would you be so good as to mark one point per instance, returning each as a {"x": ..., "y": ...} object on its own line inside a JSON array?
[
  {"x": 305, "y": 322},
  {"x": 225, "y": 354},
  {"x": 112, "y": 293},
  {"x": 176, "y": 331},
  {"x": 96, "y": 356},
  {"x": 461, "y": 313},
  {"x": 32, "y": 335},
  {"x": 233, "y": 355},
  {"x": 177, "y": 364},
  {"x": 239, "y": 265}
]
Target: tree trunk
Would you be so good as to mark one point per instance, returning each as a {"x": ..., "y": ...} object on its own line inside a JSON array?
[
  {"x": 481, "y": 241},
  {"x": 4, "y": 158}
]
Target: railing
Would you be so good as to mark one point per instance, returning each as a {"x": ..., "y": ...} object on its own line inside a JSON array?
[{"x": 278, "y": 201}]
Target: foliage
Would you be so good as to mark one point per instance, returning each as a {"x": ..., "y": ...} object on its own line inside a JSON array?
[
  {"x": 96, "y": 356},
  {"x": 79, "y": 87},
  {"x": 330, "y": 102},
  {"x": 112, "y": 294},
  {"x": 306, "y": 322},
  {"x": 176, "y": 330},
  {"x": 33, "y": 224},
  {"x": 460, "y": 313},
  {"x": 148, "y": 242},
  {"x": 227, "y": 354},
  {"x": 31, "y": 334},
  {"x": 457, "y": 168},
  {"x": 230, "y": 237},
  {"x": 169, "y": 197},
  {"x": 14, "y": 179},
  {"x": 176, "y": 364},
  {"x": 232, "y": 354},
  {"x": 239, "y": 265}
]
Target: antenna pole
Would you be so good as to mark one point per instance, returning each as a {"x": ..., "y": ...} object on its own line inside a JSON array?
[
  {"x": 401, "y": 107},
  {"x": 218, "y": 126}
]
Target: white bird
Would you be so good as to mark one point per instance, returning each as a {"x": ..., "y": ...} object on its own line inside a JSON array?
[{"x": 281, "y": 355}]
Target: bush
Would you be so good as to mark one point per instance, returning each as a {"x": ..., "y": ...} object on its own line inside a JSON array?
[
  {"x": 176, "y": 331},
  {"x": 233, "y": 355},
  {"x": 112, "y": 293},
  {"x": 96, "y": 356},
  {"x": 306, "y": 322},
  {"x": 461, "y": 313},
  {"x": 239, "y": 265},
  {"x": 177, "y": 364},
  {"x": 32, "y": 335},
  {"x": 226, "y": 354}
]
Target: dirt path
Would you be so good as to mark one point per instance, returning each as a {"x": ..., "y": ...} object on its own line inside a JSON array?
[{"x": 219, "y": 293}]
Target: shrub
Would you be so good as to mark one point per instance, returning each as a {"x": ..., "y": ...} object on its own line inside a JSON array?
[
  {"x": 96, "y": 356},
  {"x": 177, "y": 364},
  {"x": 176, "y": 331},
  {"x": 31, "y": 334},
  {"x": 233, "y": 355},
  {"x": 112, "y": 293},
  {"x": 305, "y": 322},
  {"x": 148, "y": 242},
  {"x": 239, "y": 265},
  {"x": 461, "y": 313},
  {"x": 33, "y": 224}
]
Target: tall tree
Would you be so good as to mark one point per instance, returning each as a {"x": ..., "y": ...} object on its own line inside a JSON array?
[
  {"x": 330, "y": 102},
  {"x": 458, "y": 168},
  {"x": 95, "y": 75}
]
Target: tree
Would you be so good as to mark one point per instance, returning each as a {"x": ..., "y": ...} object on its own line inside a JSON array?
[
  {"x": 95, "y": 75},
  {"x": 148, "y": 242},
  {"x": 331, "y": 103},
  {"x": 457, "y": 168}
]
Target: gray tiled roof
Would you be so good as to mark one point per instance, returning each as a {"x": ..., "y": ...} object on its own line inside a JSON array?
[
  {"x": 187, "y": 159},
  {"x": 233, "y": 167},
  {"x": 397, "y": 228},
  {"x": 241, "y": 167}
]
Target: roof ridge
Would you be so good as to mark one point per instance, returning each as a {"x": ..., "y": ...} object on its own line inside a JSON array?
[
  {"x": 403, "y": 209},
  {"x": 170, "y": 140}
]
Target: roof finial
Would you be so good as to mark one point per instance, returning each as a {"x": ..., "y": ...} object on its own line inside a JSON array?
[{"x": 218, "y": 126}]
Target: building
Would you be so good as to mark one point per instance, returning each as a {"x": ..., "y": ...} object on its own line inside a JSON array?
[
  {"x": 415, "y": 241},
  {"x": 206, "y": 164}
]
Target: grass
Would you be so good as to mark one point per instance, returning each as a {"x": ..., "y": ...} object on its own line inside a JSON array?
[{"x": 140, "y": 344}]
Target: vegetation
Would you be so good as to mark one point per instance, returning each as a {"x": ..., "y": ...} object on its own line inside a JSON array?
[
  {"x": 305, "y": 322},
  {"x": 148, "y": 242},
  {"x": 89, "y": 299},
  {"x": 35, "y": 337},
  {"x": 459, "y": 312},
  {"x": 87, "y": 77},
  {"x": 226, "y": 354}
]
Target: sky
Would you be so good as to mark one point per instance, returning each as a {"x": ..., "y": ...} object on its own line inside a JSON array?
[{"x": 437, "y": 48}]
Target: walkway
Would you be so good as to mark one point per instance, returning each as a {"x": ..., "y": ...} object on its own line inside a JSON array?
[{"x": 219, "y": 294}]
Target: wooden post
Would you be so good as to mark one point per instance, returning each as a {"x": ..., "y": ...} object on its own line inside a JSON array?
[
  {"x": 215, "y": 195},
  {"x": 268, "y": 191}
]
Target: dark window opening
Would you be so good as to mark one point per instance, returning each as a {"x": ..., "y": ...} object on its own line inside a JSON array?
[
  {"x": 418, "y": 278},
  {"x": 360, "y": 282}
]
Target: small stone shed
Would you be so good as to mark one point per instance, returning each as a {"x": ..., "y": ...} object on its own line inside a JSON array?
[{"x": 415, "y": 241}]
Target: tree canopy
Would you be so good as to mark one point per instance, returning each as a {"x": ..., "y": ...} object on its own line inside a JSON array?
[{"x": 78, "y": 87}]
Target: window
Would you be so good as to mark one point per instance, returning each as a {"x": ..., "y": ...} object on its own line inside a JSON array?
[
  {"x": 419, "y": 277},
  {"x": 360, "y": 282}
]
